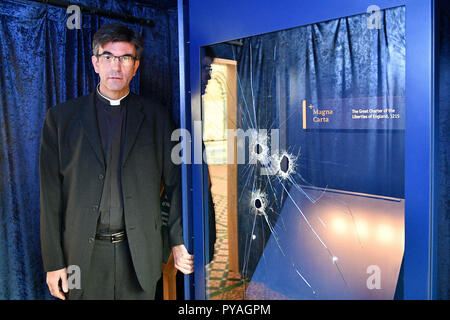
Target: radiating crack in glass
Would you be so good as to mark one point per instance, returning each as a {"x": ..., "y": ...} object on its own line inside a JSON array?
[
  {"x": 283, "y": 167},
  {"x": 268, "y": 192},
  {"x": 288, "y": 212}
]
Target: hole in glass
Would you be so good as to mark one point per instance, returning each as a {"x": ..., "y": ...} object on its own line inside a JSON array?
[{"x": 309, "y": 227}]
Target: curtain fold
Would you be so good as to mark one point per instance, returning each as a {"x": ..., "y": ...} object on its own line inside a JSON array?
[
  {"x": 43, "y": 63},
  {"x": 443, "y": 161}
]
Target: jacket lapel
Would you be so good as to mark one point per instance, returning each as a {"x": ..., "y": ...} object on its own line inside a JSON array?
[
  {"x": 89, "y": 122},
  {"x": 134, "y": 120}
]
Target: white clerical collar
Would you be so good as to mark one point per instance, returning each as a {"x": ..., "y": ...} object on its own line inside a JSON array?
[{"x": 112, "y": 101}]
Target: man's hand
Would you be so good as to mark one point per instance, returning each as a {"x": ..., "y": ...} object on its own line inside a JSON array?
[
  {"x": 53, "y": 278},
  {"x": 182, "y": 260}
]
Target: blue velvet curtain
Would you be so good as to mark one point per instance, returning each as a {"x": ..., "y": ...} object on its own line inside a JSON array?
[
  {"x": 43, "y": 63},
  {"x": 443, "y": 161}
]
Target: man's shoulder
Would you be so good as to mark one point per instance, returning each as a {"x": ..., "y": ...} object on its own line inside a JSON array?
[
  {"x": 74, "y": 102},
  {"x": 151, "y": 105},
  {"x": 147, "y": 101},
  {"x": 71, "y": 105},
  {"x": 69, "y": 108}
]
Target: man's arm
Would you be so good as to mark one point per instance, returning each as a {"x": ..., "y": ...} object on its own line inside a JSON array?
[
  {"x": 51, "y": 206},
  {"x": 172, "y": 183}
]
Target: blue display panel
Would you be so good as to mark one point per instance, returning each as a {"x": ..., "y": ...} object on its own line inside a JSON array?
[{"x": 368, "y": 154}]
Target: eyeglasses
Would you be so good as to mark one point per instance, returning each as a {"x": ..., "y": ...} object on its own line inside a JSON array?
[{"x": 107, "y": 58}]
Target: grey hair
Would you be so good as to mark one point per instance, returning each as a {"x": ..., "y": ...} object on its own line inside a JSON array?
[{"x": 117, "y": 32}]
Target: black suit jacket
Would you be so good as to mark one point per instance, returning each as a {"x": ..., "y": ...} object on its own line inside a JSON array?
[{"x": 72, "y": 170}]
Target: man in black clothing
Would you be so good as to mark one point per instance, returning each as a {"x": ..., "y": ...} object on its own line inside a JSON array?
[{"x": 102, "y": 159}]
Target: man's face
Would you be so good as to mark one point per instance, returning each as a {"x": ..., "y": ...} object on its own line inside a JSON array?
[{"x": 115, "y": 76}]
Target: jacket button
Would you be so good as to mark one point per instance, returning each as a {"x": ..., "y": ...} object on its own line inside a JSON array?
[
  {"x": 95, "y": 208},
  {"x": 91, "y": 240},
  {"x": 101, "y": 177}
]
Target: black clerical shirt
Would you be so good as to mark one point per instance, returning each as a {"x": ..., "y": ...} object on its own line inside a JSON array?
[{"x": 111, "y": 122}]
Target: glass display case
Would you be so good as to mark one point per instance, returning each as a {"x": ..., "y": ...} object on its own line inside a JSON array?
[
  {"x": 312, "y": 205},
  {"x": 307, "y": 122}
]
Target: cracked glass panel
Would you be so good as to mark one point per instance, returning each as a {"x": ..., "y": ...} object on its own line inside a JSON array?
[{"x": 303, "y": 132}]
